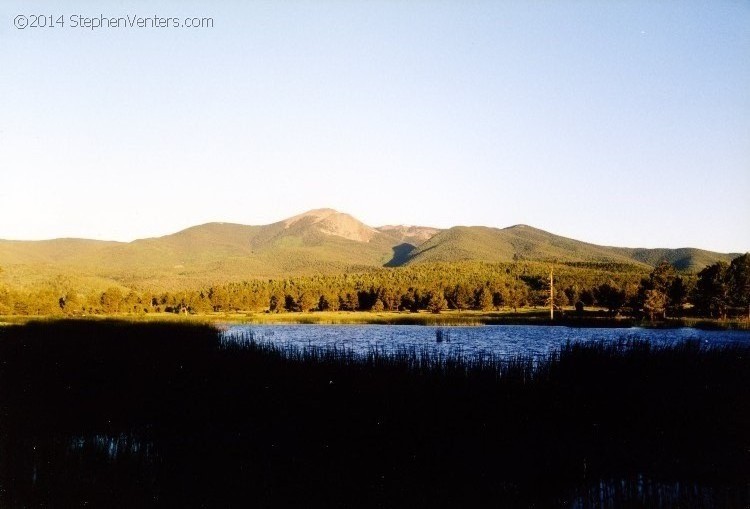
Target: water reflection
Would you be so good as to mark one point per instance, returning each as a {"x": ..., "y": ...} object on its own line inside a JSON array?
[
  {"x": 639, "y": 491},
  {"x": 113, "y": 446},
  {"x": 103, "y": 469}
]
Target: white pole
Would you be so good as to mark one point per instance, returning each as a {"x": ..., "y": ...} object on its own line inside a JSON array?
[{"x": 551, "y": 295}]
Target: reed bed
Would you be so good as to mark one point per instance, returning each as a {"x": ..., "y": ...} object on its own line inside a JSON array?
[{"x": 198, "y": 418}]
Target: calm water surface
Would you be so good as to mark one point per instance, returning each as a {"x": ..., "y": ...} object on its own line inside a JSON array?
[{"x": 504, "y": 340}]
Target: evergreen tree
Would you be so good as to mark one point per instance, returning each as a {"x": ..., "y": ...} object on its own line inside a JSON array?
[
  {"x": 306, "y": 301},
  {"x": 350, "y": 301},
  {"x": 738, "y": 280},
  {"x": 436, "y": 301},
  {"x": 653, "y": 293},
  {"x": 711, "y": 294},
  {"x": 677, "y": 294},
  {"x": 484, "y": 299},
  {"x": 111, "y": 300},
  {"x": 655, "y": 303},
  {"x": 461, "y": 297},
  {"x": 587, "y": 297},
  {"x": 610, "y": 297},
  {"x": 276, "y": 303},
  {"x": 662, "y": 276}
]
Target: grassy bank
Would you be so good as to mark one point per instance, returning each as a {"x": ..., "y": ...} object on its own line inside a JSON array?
[
  {"x": 122, "y": 414},
  {"x": 526, "y": 316}
]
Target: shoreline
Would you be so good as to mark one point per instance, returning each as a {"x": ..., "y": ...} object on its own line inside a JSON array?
[{"x": 533, "y": 317}]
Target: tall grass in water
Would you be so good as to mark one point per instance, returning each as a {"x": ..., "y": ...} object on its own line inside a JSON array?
[{"x": 220, "y": 421}]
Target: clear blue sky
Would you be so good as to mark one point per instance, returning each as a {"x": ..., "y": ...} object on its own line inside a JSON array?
[{"x": 620, "y": 123}]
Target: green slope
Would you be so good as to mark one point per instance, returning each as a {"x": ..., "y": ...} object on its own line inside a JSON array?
[
  {"x": 214, "y": 252},
  {"x": 55, "y": 251},
  {"x": 321, "y": 241},
  {"x": 525, "y": 242},
  {"x": 686, "y": 258}
]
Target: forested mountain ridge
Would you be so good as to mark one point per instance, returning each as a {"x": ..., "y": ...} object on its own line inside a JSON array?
[
  {"x": 506, "y": 244},
  {"x": 687, "y": 258},
  {"x": 321, "y": 241},
  {"x": 529, "y": 243}
]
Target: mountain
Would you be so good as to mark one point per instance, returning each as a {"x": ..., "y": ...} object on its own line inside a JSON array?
[
  {"x": 685, "y": 258},
  {"x": 316, "y": 240},
  {"x": 484, "y": 243},
  {"x": 331, "y": 222},
  {"x": 414, "y": 235},
  {"x": 505, "y": 244},
  {"x": 51, "y": 251},
  {"x": 525, "y": 242},
  {"x": 321, "y": 241}
]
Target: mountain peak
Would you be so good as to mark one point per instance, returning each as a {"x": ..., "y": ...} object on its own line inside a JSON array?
[
  {"x": 332, "y": 222},
  {"x": 315, "y": 213}
]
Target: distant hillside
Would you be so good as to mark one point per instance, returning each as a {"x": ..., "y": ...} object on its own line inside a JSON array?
[
  {"x": 685, "y": 258},
  {"x": 321, "y": 241},
  {"x": 525, "y": 242},
  {"x": 56, "y": 251},
  {"x": 507, "y": 244}
]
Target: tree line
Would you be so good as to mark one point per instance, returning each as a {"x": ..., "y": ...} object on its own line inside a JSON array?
[{"x": 719, "y": 290}]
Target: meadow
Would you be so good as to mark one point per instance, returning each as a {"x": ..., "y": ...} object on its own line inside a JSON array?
[{"x": 167, "y": 414}]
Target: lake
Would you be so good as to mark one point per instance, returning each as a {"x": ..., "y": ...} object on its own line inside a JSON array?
[
  {"x": 502, "y": 340},
  {"x": 119, "y": 414}
]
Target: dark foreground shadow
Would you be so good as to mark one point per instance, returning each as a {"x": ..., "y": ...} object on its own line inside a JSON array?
[
  {"x": 400, "y": 255},
  {"x": 120, "y": 415}
]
